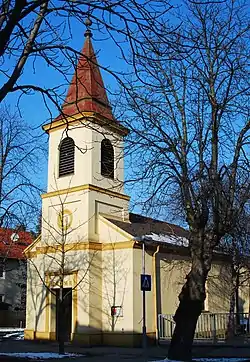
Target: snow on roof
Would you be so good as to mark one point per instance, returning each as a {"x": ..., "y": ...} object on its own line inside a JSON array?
[
  {"x": 168, "y": 239},
  {"x": 153, "y": 230}
]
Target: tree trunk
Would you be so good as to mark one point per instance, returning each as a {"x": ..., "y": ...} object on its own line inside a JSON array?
[
  {"x": 185, "y": 318},
  {"x": 60, "y": 326},
  {"x": 238, "y": 311},
  {"x": 191, "y": 298},
  {"x": 113, "y": 323},
  {"x": 231, "y": 320}
]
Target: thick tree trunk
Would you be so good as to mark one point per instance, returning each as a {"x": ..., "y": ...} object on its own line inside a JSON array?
[
  {"x": 231, "y": 320},
  {"x": 238, "y": 311},
  {"x": 185, "y": 318},
  {"x": 191, "y": 298}
]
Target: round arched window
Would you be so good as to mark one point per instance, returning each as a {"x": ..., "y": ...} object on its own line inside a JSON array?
[
  {"x": 107, "y": 159},
  {"x": 66, "y": 157}
]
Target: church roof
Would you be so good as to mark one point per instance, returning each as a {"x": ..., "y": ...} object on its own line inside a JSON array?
[
  {"x": 86, "y": 92},
  {"x": 153, "y": 230},
  {"x": 87, "y": 96}
]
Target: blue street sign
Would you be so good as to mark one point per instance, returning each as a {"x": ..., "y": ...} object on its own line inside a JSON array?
[{"x": 145, "y": 282}]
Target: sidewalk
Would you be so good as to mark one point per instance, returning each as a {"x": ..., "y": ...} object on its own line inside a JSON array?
[{"x": 117, "y": 354}]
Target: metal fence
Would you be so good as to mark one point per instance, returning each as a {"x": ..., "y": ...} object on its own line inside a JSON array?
[{"x": 210, "y": 326}]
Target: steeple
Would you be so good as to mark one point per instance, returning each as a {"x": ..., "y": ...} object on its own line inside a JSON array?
[{"x": 86, "y": 92}]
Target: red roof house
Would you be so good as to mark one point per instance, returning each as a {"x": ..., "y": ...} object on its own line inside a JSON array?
[{"x": 13, "y": 243}]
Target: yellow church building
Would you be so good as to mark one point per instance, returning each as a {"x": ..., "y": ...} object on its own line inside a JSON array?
[{"x": 90, "y": 245}]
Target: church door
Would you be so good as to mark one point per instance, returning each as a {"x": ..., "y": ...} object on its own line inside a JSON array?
[{"x": 66, "y": 322}]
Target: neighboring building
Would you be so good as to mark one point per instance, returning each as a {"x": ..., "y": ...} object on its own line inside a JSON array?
[
  {"x": 87, "y": 223},
  {"x": 13, "y": 272}
]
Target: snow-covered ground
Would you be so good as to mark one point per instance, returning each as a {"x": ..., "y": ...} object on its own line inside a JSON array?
[
  {"x": 11, "y": 329},
  {"x": 18, "y": 334},
  {"x": 222, "y": 359},
  {"x": 49, "y": 355},
  {"x": 12, "y": 333},
  {"x": 40, "y": 355}
]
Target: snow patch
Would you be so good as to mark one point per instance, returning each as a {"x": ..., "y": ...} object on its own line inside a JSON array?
[
  {"x": 222, "y": 359},
  {"x": 16, "y": 336},
  {"x": 11, "y": 329},
  {"x": 169, "y": 239},
  {"x": 40, "y": 355}
]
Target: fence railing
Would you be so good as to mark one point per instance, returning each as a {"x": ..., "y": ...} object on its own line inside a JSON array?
[{"x": 210, "y": 326}]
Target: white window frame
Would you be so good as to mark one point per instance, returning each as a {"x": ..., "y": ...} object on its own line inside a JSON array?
[
  {"x": 3, "y": 276},
  {"x": 206, "y": 307}
]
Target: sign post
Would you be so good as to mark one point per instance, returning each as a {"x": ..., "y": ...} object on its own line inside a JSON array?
[{"x": 145, "y": 286}]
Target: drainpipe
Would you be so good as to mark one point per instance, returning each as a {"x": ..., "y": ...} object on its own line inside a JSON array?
[
  {"x": 144, "y": 328},
  {"x": 155, "y": 289}
]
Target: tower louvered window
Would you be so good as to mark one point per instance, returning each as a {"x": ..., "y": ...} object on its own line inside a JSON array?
[
  {"x": 107, "y": 159},
  {"x": 66, "y": 157}
]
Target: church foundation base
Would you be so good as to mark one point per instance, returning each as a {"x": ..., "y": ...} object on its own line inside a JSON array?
[
  {"x": 97, "y": 339},
  {"x": 31, "y": 335}
]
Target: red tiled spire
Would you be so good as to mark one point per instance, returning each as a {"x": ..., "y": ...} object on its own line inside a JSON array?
[{"x": 86, "y": 92}]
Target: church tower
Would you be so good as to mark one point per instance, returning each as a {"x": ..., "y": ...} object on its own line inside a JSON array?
[
  {"x": 85, "y": 168},
  {"x": 83, "y": 254}
]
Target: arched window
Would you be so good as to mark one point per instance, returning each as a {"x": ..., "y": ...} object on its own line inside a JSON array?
[
  {"x": 66, "y": 157},
  {"x": 107, "y": 159}
]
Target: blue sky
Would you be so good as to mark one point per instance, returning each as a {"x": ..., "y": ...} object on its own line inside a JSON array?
[{"x": 32, "y": 107}]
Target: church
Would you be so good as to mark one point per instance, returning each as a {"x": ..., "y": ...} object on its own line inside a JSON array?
[{"x": 90, "y": 246}]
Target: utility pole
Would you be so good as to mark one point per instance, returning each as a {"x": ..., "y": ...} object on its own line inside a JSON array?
[{"x": 145, "y": 287}]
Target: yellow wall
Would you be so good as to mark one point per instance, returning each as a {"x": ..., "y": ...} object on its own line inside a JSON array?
[
  {"x": 117, "y": 288},
  {"x": 111, "y": 275},
  {"x": 171, "y": 272},
  {"x": 84, "y": 207},
  {"x": 219, "y": 287},
  {"x": 137, "y": 293},
  {"x": 95, "y": 267}
]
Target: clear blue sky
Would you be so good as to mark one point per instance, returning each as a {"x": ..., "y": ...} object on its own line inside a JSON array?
[{"x": 32, "y": 108}]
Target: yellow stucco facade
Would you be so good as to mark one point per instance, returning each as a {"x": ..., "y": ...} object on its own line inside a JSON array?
[
  {"x": 97, "y": 262},
  {"x": 102, "y": 262},
  {"x": 106, "y": 273}
]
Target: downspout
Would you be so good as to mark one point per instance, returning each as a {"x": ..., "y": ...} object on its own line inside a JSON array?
[{"x": 155, "y": 290}]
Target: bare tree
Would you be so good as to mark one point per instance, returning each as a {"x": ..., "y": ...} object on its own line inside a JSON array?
[
  {"x": 19, "y": 197},
  {"x": 115, "y": 281},
  {"x": 189, "y": 117},
  {"x": 60, "y": 260},
  {"x": 20, "y": 153},
  {"x": 236, "y": 247},
  {"x": 19, "y": 192},
  {"x": 35, "y": 34},
  {"x": 19, "y": 276}
]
